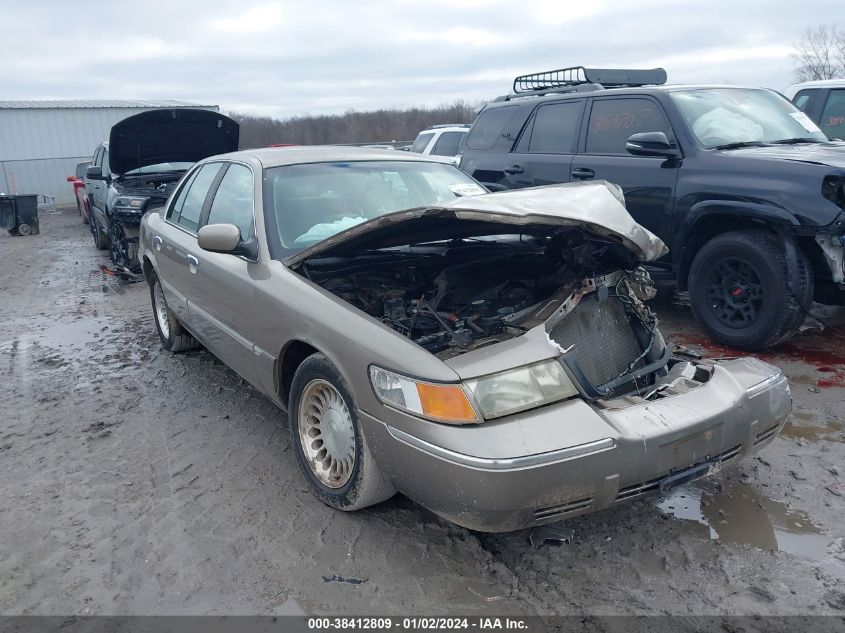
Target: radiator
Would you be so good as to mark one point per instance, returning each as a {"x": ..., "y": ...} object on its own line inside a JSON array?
[{"x": 603, "y": 338}]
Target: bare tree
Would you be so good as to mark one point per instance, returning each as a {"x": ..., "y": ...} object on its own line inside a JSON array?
[{"x": 820, "y": 54}]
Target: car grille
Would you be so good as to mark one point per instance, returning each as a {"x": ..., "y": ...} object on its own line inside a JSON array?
[
  {"x": 581, "y": 505},
  {"x": 653, "y": 485},
  {"x": 604, "y": 340},
  {"x": 765, "y": 435}
]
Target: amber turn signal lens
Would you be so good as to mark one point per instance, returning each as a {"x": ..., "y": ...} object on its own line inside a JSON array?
[{"x": 448, "y": 403}]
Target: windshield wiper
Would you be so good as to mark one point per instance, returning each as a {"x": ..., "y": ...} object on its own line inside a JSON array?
[
  {"x": 796, "y": 140},
  {"x": 739, "y": 144}
]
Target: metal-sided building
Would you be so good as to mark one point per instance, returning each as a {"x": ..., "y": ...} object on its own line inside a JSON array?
[{"x": 41, "y": 142}]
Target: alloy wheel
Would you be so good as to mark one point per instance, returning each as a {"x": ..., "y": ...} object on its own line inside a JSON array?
[
  {"x": 734, "y": 292},
  {"x": 326, "y": 433},
  {"x": 160, "y": 309}
]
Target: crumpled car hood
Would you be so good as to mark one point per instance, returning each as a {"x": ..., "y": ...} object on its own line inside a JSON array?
[
  {"x": 596, "y": 206},
  {"x": 171, "y": 135}
]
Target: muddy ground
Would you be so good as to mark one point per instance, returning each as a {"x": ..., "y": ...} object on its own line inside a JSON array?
[{"x": 136, "y": 482}]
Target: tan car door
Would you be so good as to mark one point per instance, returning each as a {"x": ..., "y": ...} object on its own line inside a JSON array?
[
  {"x": 224, "y": 289},
  {"x": 176, "y": 241}
]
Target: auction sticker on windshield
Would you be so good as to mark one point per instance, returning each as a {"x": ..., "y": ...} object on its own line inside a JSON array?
[
  {"x": 467, "y": 189},
  {"x": 805, "y": 121}
]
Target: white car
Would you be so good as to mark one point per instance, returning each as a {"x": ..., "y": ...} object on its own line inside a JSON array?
[
  {"x": 441, "y": 140},
  {"x": 824, "y": 102}
]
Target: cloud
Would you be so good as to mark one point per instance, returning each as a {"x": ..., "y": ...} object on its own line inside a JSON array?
[
  {"x": 289, "y": 57},
  {"x": 254, "y": 20}
]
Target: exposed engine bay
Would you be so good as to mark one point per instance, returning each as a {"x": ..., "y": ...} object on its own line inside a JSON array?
[
  {"x": 155, "y": 185},
  {"x": 457, "y": 296}
]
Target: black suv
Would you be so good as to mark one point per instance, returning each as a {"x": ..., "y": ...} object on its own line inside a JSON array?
[
  {"x": 744, "y": 189},
  {"x": 145, "y": 158}
]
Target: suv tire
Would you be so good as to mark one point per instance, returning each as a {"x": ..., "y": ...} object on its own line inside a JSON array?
[
  {"x": 323, "y": 415},
  {"x": 739, "y": 291},
  {"x": 101, "y": 242},
  {"x": 123, "y": 246}
]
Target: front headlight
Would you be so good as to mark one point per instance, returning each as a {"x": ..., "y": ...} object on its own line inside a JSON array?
[
  {"x": 441, "y": 403},
  {"x": 127, "y": 202},
  {"x": 521, "y": 389},
  {"x": 492, "y": 396}
]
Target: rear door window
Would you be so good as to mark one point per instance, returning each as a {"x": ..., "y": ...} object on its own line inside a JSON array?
[
  {"x": 421, "y": 142},
  {"x": 187, "y": 208},
  {"x": 488, "y": 127},
  {"x": 447, "y": 144},
  {"x": 805, "y": 99},
  {"x": 832, "y": 120},
  {"x": 233, "y": 201},
  {"x": 612, "y": 121},
  {"x": 553, "y": 130}
]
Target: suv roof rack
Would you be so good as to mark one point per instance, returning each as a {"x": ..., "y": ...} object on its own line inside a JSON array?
[{"x": 578, "y": 78}]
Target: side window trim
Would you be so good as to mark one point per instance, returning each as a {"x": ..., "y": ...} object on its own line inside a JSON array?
[
  {"x": 209, "y": 197},
  {"x": 588, "y": 112},
  {"x": 210, "y": 201},
  {"x": 170, "y": 211}
]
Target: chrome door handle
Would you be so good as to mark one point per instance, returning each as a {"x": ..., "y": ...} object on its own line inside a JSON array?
[
  {"x": 157, "y": 242},
  {"x": 193, "y": 261}
]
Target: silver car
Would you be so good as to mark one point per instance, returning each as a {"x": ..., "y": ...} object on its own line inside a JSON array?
[{"x": 490, "y": 355}]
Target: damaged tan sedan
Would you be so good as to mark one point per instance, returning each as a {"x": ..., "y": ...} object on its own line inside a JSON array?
[{"x": 490, "y": 355}]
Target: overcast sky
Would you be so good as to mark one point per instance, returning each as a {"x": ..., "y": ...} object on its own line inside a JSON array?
[{"x": 323, "y": 56}]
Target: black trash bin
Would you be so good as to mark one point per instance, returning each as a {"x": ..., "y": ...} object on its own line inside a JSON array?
[{"x": 19, "y": 214}]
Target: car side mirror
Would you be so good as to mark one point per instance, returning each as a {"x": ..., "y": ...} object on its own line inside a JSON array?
[
  {"x": 651, "y": 144},
  {"x": 94, "y": 173},
  {"x": 226, "y": 238}
]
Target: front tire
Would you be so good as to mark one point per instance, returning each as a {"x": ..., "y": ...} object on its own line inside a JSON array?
[
  {"x": 174, "y": 338},
  {"x": 739, "y": 291},
  {"x": 331, "y": 449},
  {"x": 123, "y": 246}
]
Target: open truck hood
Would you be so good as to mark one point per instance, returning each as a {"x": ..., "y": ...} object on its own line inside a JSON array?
[
  {"x": 170, "y": 136},
  {"x": 596, "y": 206}
]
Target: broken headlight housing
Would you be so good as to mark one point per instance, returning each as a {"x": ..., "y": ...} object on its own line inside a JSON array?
[
  {"x": 492, "y": 396},
  {"x": 130, "y": 203},
  {"x": 833, "y": 188},
  {"x": 521, "y": 389}
]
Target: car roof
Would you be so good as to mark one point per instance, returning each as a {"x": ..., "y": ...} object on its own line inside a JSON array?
[
  {"x": 447, "y": 128},
  {"x": 818, "y": 83},
  {"x": 281, "y": 156}
]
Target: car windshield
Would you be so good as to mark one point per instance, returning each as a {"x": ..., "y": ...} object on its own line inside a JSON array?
[
  {"x": 741, "y": 116},
  {"x": 159, "y": 167},
  {"x": 305, "y": 204}
]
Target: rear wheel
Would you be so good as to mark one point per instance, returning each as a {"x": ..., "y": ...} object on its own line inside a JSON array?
[
  {"x": 123, "y": 246},
  {"x": 739, "y": 290},
  {"x": 100, "y": 240},
  {"x": 174, "y": 338},
  {"x": 330, "y": 447}
]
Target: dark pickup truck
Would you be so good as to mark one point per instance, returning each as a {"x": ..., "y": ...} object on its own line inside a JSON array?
[
  {"x": 136, "y": 170},
  {"x": 743, "y": 187}
]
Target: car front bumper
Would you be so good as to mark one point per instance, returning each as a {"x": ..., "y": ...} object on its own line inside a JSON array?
[{"x": 493, "y": 477}]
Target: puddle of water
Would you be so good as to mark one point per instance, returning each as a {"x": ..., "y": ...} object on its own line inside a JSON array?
[
  {"x": 739, "y": 514},
  {"x": 75, "y": 333},
  {"x": 813, "y": 433}
]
